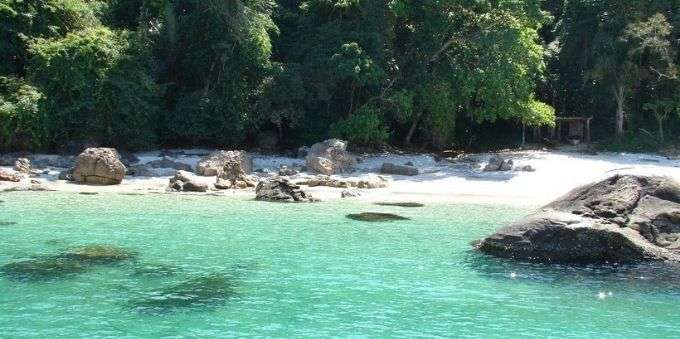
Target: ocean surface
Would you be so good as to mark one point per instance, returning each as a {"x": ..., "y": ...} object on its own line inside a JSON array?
[{"x": 130, "y": 266}]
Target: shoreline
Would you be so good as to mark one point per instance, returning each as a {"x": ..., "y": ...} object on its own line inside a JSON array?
[{"x": 451, "y": 181}]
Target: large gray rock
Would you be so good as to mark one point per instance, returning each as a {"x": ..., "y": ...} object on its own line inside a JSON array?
[
  {"x": 330, "y": 157},
  {"x": 624, "y": 218},
  {"x": 99, "y": 166},
  {"x": 184, "y": 181},
  {"x": 390, "y": 168},
  {"x": 497, "y": 163},
  {"x": 213, "y": 164},
  {"x": 281, "y": 189}
]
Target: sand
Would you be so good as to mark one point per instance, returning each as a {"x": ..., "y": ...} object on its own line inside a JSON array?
[{"x": 458, "y": 181}]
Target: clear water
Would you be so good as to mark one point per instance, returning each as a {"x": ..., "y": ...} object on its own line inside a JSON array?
[{"x": 308, "y": 271}]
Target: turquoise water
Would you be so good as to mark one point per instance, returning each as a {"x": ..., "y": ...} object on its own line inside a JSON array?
[{"x": 305, "y": 270}]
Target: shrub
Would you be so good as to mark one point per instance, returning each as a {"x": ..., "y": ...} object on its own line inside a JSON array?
[
  {"x": 364, "y": 127},
  {"x": 20, "y": 123}
]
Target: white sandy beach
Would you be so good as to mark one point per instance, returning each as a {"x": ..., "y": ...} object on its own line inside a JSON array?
[{"x": 459, "y": 181}]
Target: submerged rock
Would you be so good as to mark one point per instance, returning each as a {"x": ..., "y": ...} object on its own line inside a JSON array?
[
  {"x": 42, "y": 269},
  {"x": 7, "y": 223},
  {"x": 400, "y": 204},
  {"x": 99, "y": 254},
  {"x": 197, "y": 292},
  {"x": 99, "y": 166},
  {"x": 330, "y": 157},
  {"x": 624, "y": 218},
  {"x": 281, "y": 189},
  {"x": 376, "y": 217}
]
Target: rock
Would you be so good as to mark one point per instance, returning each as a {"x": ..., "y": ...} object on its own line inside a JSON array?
[
  {"x": 281, "y": 189},
  {"x": 376, "y": 217},
  {"x": 167, "y": 162},
  {"x": 99, "y": 254},
  {"x": 53, "y": 161},
  {"x": 506, "y": 165},
  {"x": 285, "y": 171},
  {"x": 170, "y": 154},
  {"x": 232, "y": 175},
  {"x": 67, "y": 175},
  {"x": 527, "y": 168},
  {"x": 214, "y": 163},
  {"x": 326, "y": 181},
  {"x": 494, "y": 164},
  {"x": 497, "y": 163},
  {"x": 9, "y": 159},
  {"x": 330, "y": 157},
  {"x": 99, "y": 166},
  {"x": 409, "y": 163},
  {"x": 22, "y": 165},
  {"x": 128, "y": 159},
  {"x": 9, "y": 175},
  {"x": 140, "y": 171},
  {"x": 350, "y": 193},
  {"x": 184, "y": 181},
  {"x": 302, "y": 152},
  {"x": 200, "y": 291},
  {"x": 390, "y": 168},
  {"x": 624, "y": 218}
]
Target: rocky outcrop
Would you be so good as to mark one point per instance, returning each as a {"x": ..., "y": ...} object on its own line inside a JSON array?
[
  {"x": 330, "y": 157},
  {"x": 624, "y": 218},
  {"x": 213, "y": 164},
  {"x": 390, "y": 168},
  {"x": 184, "y": 181},
  {"x": 99, "y": 166},
  {"x": 9, "y": 175},
  {"x": 497, "y": 163},
  {"x": 350, "y": 193},
  {"x": 233, "y": 176},
  {"x": 281, "y": 189},
  {"x": 22, "y": 165},
  {"x": 67, "y": 175}
]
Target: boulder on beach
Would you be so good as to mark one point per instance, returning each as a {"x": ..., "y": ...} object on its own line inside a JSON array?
[
  {"x": 330, "y": 157},
  {"x": 369, "y": 182},
  {"x": 350, "y": 193},
  {"x": 233, "y": 176},
  {"x": 281, "y": 189},
  {"x": 213, "y": 164},
  {"x": 184, "y": 181},
  {"x": 9, "y": 175},
  {"x": 22, "y": 165},
  {"x": 390, "y": 168},
  {"x": 99, "y": 166},
  {"x": 497, "y": 163},
  {"x": 67, "y": 175},
  {"x": 624, "y": 218}
]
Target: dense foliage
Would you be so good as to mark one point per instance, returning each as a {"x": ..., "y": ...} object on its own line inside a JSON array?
[{"x": 232, "y": 73}]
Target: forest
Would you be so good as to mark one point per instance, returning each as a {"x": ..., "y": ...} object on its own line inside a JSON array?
[{"x": 274, "y": 75}]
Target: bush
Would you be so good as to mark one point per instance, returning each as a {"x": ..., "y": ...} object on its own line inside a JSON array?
[
  {"x": 20, "y": 122},
  {"x": 363, "y": 128},
  {"x": 97, "y": 86}
]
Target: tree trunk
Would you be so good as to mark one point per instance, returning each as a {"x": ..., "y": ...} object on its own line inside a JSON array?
[
  {"x": 661, "y": 136},
  {"x": 412, "y": 130},
  {"x": 619, "y": 94}
]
